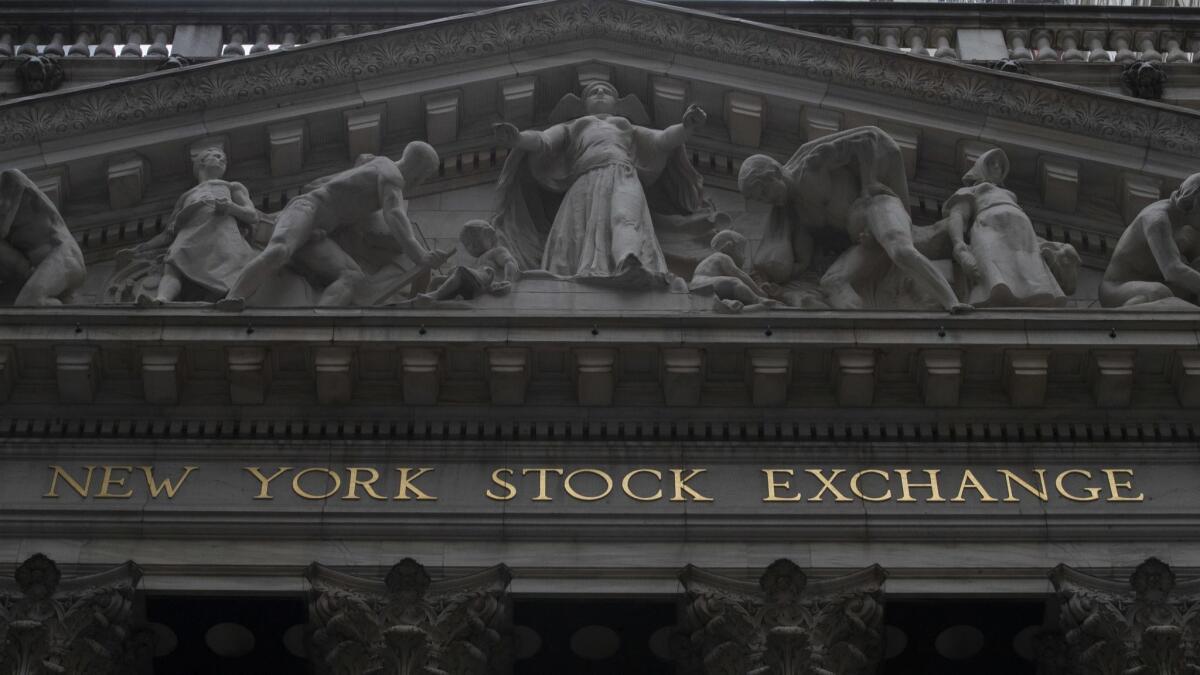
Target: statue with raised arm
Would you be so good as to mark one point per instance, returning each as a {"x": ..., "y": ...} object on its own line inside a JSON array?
[
  {"x": 370, "y": 195},
  {"x": 1155, "y": 261},
  {"x": 851, "y": 181},
  {"x": 997, "y": 248},
  {"x": 40, "y": 262},
  {"x": 599, "y": 196}
]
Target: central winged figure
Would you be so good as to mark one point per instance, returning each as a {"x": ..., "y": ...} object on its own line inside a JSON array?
[{"x": 597, "y": 196}]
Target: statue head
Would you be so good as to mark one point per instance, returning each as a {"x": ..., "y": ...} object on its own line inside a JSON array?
[
  {"x": 38, "y": 577},
  {"x": 761, "y": 179},
  {"x": 1153, "y": 580},
  {"x": 783, "y": 582},
  {"x": 991, "y": 167},
  {"x": 408, "y": 580},
  {"x": 600, "y": 98},
  {"x": 209, "y": 163},
  {"x": 478, "y": 237},
  {"x": 419, "y": 161},
  {"x": 732, "y": 244},
  {"x": 1187, "y": 197}
]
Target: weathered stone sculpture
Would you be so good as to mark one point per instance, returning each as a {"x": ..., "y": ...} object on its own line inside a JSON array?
[
  {"x": 39, "y": 74},
  {"x": 205, "y": 242},
  {"x": 408, "y": 624},
  {"x": 1005, "y": 260},
  {"x": 784, "y": 625},
  {"x": 630, "y": 200},
  {"x": 1155, "y": 259},
  {"x": 305, "y": 230},
  {"x": 81, "y": 625},
  {"x": 721, "y": 274},
  {"x": 40, "y": 262},
  {"x": 494, "y": 272},
  {"x": 1147, "y": 626},
  {"x": 1144, "y": 79},
  {"x": 852, "y": 181}
]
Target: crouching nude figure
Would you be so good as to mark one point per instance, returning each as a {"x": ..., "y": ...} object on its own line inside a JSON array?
[
  {"x": 36, "y": 248},
  {"x": 722, "y": 275}
]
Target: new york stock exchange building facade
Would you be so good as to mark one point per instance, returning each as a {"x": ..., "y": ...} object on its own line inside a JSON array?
[{"x": 599, "y": 336}]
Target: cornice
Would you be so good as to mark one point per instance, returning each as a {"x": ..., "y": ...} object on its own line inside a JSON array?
[{"x": 420, "y": 47}]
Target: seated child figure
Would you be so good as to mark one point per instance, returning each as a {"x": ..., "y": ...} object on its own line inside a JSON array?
[
  {"x": 721, "y": 274},
  {"x": 494, "y": 272}
]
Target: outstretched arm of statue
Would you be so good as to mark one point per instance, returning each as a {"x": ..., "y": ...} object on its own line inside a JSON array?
[
  {"x": 530, "y": 140},
  {"x": 1176, "y": 270},
  {"x": 677, "y": 134},
  {"x": 391, "y": 199}
]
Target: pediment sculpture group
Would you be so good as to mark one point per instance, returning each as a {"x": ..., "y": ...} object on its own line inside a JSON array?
[{"x": 600, "y": 198}]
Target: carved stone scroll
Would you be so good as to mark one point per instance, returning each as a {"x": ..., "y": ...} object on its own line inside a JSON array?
[
  {"x": 1145, "y": 626},
  {"x": 408, "y": 624},
  {"x": 81, "y": 625},
  {"x": 784, "y": 625}
]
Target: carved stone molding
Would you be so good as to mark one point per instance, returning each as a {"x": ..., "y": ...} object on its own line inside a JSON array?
[
  {"x": 408, "y": 624},
  {"x": 288, "y": 72},
  {"x": 784, "y": 625},
  {"x": 81, "y": 625},
  {"x": 1144, "y": 626}
]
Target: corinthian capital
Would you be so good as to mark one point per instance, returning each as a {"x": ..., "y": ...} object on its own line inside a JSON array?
[
  {"x": 407, "y": 623},
  {"x": 1143, "y": 626},
  {"x": 80, "y": 625},
  {"x": 784, "y": 625}
]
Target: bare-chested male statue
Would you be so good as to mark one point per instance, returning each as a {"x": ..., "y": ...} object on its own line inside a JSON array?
[
  {"x": 374, "y": 184},
  {"x": 1154, "y": 259},
  {"x": 853, "y": 180},
  {"x": 36, "y": 248}
]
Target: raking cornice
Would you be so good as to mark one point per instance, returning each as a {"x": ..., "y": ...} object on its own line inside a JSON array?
[{"x": 697, "y": 34}]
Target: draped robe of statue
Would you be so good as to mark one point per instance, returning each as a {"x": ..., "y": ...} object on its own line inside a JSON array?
[
  {"x": 599, "y": 190},
  {"x": 208, "y": 248}
]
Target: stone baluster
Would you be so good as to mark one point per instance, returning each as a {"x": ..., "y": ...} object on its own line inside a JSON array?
[
  {"x": 784, "y": 625},
  {"x": 1174, "y": 46},
  {"x": 134, "y": 37},
  {"x": 313, "y": 33},
  {"x": 1145, "y": 42},
  {"x": 1095, "y": 42},
  {"x": 108, "y": 41},
  {"x": 6, "y": 39},
  {"x": 1194, "y": 47},
  {"x": 289, "y": 37},
  {"x": 410, "y": 622},
  {"x": 1120, "y": 41},
  {"x": 1141, "y": 628},
  {"x": 889, "y": 37},
  {"x": 365, "y": 28},
  {"x": 864, "y": 35},
  {"x": 30, "y": 45},
  {"x": 915, "y": 37},
  {"x": 941, "y": 42},
  {"x": 1068, "y": 42},
  {"x": 340, "y": 30},
  {"x": 262, "y": 39},
  {"x": 58, "y": 36},
  {"x": 1017, "y": 49},
  {"x": 161, "y": 35},
  {"x": 237, "y": 40},
  {"x": 86, "y": 625},
  {"x": 1043, "y": 46},
  {"x": 79, "y": 48}
]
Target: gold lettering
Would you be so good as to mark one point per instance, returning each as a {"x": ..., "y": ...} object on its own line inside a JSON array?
[
  {"x": 512, "y": 489},
  {"x": 774, "y": 484},
  {"x": 406, "y": 484},
  {"x": 60, "y": 472},
  {"x": 1010, "y": 478},
  {"x": 625, "y": 484},
  {"x": 681, "y": 486},
  {"x": 1113, "y": 485},
  {"x": 971, "y": 482},
  {"x": 368, "y": 486},
  {"x": 1093, "y": 493},
  {"x": 935, "y": 494},
  {"x": 859, "y": 493},
  {"x": 608, "y": 484},
  {"x": 542, "y": 495},
  {"x": 264, "y": 482},
  {"x": 303, "y": 494},
  {"x": 828, "y": 486},
  {"x": 109, "y": 481},
  {"x": 166, "y": 484}
]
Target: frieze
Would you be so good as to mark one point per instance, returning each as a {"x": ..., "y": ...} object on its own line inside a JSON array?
[{"x": 312, "y": 67}]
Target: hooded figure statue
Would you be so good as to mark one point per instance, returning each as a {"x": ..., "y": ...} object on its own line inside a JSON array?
[{"x": 599, "y": 197}]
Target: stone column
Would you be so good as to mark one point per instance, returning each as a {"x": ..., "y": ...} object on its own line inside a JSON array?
[
  {"x": 1144, "y": 626},
  {"x": 80, "y": 625},
  {"x": 784, "y": 625},
  {"x": 408, "y": 623}
]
